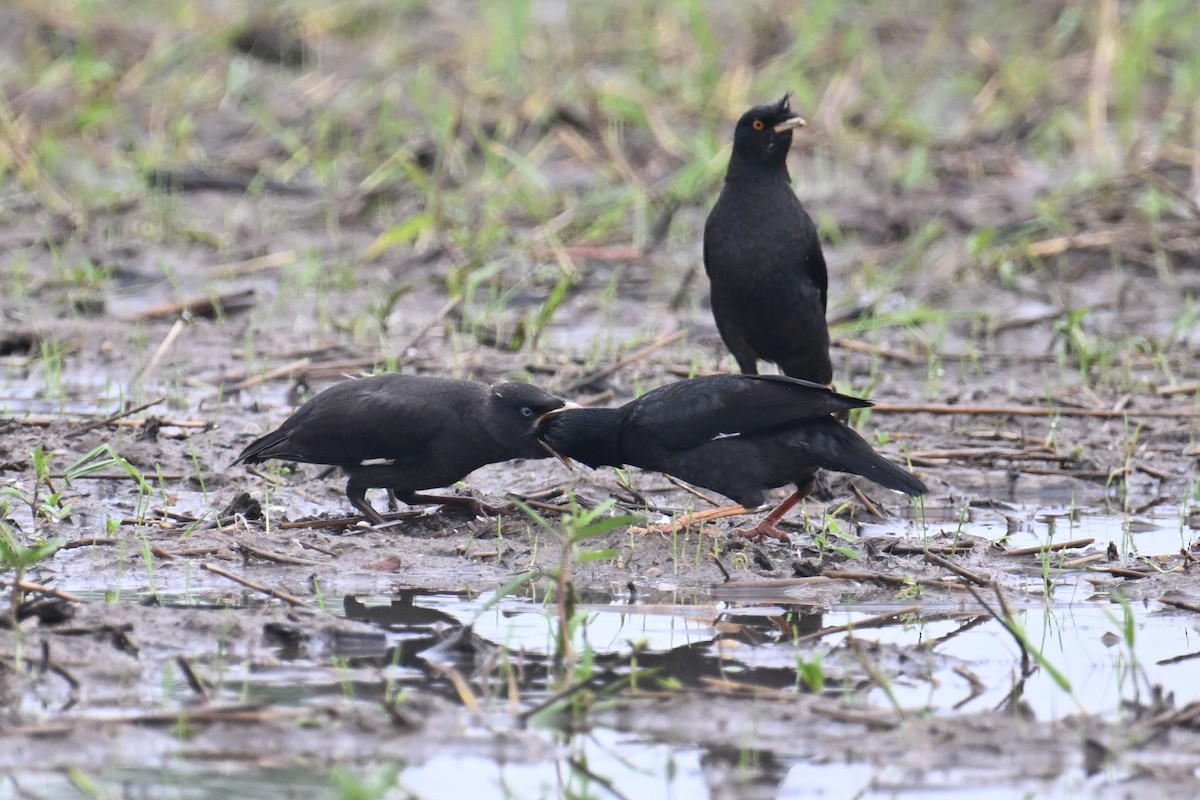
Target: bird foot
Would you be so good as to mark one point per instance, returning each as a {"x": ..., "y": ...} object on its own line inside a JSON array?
[
  {"x": 767, "y": 527},
  {"x": 763, "y": 530}
]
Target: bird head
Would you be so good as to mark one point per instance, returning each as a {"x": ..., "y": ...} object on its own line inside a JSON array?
[
  {"x": 764, "y": 133},
  {"x": 591, "y": 436},
  {"x": 518, "y": 408},
  {"x": 549, "y": 430}
]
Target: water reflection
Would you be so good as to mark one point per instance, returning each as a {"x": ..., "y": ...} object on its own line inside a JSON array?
[{"x": 939, "y": 658}]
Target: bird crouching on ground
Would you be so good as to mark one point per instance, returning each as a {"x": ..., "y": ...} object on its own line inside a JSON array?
[
  {"x": 739, "y": 435},
  {"x": 763, "y": 257},
  {"x": 406, "y": 433}
]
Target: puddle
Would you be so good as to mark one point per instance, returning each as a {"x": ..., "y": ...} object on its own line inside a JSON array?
[
  {"x": 1163, "y": 529},
  {"x": 184, "y": 782},
  {"x": 1083, "y": 641},
  {"x": 639, "y": 768},
  {"x": 947, "y": 659},
  {"x": 934, "y": 657}
]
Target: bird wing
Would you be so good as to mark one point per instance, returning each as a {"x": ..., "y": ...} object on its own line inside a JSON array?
[
  {"x": 395, "y": 440},
  {"x": 688, "y": 413},
  {"x": 375, "y": 422}
]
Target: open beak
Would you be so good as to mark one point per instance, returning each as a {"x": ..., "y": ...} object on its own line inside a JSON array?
[
  {"x": 566, "y": 462},
  {"x": 791, "y": 123},
  {"x": 554, "y": 412},
  {"x": 567, "y": 406}
]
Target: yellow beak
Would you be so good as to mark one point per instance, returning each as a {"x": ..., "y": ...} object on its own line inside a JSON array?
[{"x": 790, "y": 123}]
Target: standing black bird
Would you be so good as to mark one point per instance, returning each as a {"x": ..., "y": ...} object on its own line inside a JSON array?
[
  {"x": 735, "y": 434},
  {"x": 763, "y": 257},
  {"x": 405, "y": 433}
]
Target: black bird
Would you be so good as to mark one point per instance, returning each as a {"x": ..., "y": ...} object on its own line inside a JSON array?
[
  {"x": 735, "y": 434},
  {"x": 405, "y": 433},
  {"x": 763, "y": 257}
]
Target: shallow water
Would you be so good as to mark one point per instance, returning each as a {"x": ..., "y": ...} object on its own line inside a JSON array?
[
  {"x": 1084, "y": 640},
  {"x": 1163, "y": 529},
  {"x": 925, "y": 656}
]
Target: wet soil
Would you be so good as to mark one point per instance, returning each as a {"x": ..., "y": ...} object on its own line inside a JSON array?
[{"x": 212, "y": 313}]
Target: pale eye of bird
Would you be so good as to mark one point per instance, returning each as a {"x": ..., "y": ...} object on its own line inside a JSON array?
[
  {"x": 757, "y": 124},
  {"x": 527, "y": 412}
]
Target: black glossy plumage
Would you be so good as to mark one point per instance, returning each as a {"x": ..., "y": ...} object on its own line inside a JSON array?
[
  {"x": 739, "y": 435},
  {"x": 763, "y": 257},
  {"x": 406, "y": 433}
]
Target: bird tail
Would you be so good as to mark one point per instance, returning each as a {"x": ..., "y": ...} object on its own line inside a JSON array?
[
  {"x": 260, "y": 449},
  {"x": 835, "y": 446}
]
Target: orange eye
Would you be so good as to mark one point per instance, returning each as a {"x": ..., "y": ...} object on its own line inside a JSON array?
[{"x": 757, "y": 124}]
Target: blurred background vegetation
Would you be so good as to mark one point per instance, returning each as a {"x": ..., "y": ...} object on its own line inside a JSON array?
[{"x": 499, "y": 148}]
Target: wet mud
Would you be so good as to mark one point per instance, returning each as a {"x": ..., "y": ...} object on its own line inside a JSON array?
[{"x": 1026, "y": 627}]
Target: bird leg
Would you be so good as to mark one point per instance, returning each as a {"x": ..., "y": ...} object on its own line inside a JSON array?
[
  {"x": 356, "y": 493},
  {"x": 767, "y": 527}
]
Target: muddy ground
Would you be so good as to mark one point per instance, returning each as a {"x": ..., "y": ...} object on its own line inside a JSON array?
[{"x": 195, "y": 239}]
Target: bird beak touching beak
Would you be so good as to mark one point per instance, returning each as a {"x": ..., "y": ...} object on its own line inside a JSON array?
[
  {"x": 567, "y": 406},
  {"x": 791, "y": 123},
  {"x": 554, "y": 412},
  {"x": 566, "y": 462}
]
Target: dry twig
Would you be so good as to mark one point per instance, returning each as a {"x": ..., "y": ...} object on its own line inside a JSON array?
[
  {"x": 290, "y": 599},
  {"x": 621, "y": 363},
  {"x": 1024, "y": 411},
  {"x": 878, "y": 621},
  {"x": 1049, "y": 548},
  {"x": 1182, "y": 605},
  {"x": 957, "y": 569}
]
